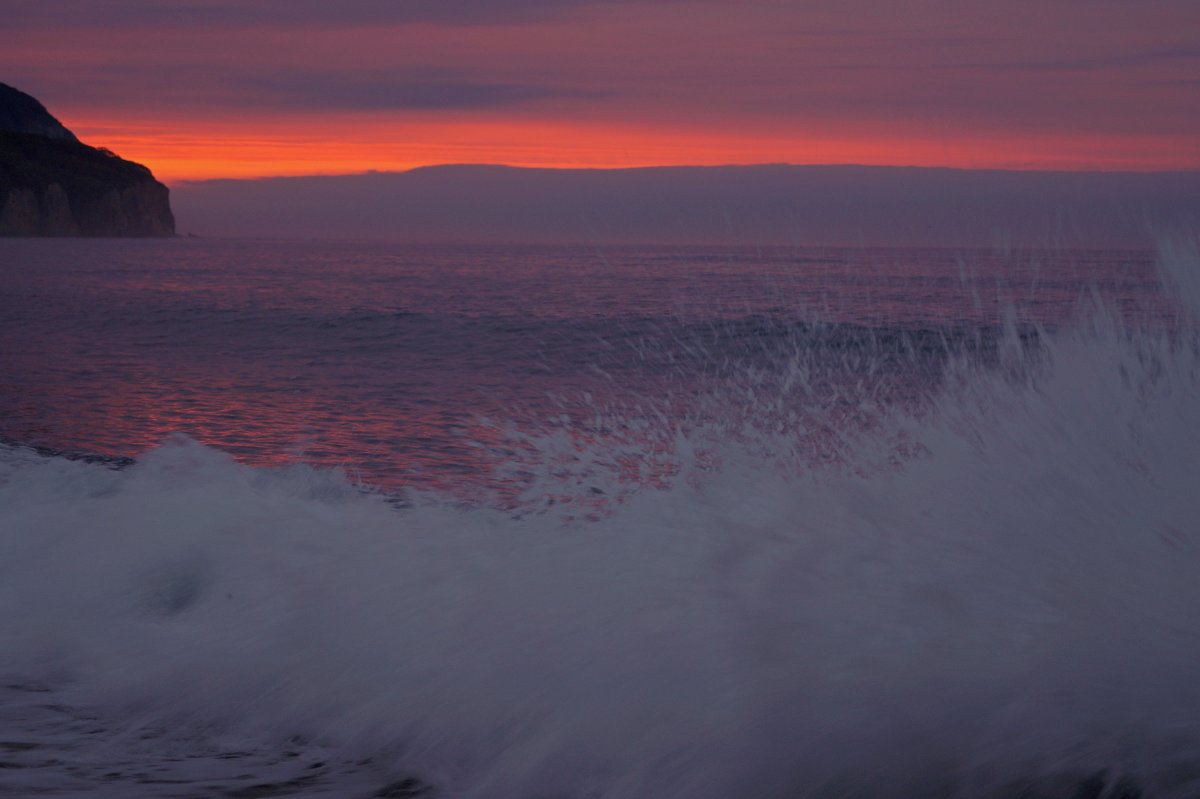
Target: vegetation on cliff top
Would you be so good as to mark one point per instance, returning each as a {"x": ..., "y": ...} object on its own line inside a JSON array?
[
  {"x": 31, "y": 162},
  {"x": 107, "y": 195}
]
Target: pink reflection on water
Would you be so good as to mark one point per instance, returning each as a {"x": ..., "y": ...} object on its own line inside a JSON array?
[{"x": 415, "y": 367}]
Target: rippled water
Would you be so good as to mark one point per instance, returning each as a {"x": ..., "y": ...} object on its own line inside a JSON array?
[
  {"x": 688, "y": 524},
  {"x": 396, "y": 362}
]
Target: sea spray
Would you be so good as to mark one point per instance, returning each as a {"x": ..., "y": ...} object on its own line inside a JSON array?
[{"x": 990, "y": 591}]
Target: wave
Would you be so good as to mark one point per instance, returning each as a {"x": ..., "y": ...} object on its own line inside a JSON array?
[{"x": 992, "y": 594}]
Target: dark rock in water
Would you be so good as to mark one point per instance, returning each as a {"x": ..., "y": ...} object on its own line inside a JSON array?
[
  {"x": 1100, "y": 785},
  {"x": 51, "y": 184},
  {"x": 408, "y": 788}
]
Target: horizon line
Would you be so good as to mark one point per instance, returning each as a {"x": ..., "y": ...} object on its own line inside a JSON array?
[{"x": 705, "y": 167}]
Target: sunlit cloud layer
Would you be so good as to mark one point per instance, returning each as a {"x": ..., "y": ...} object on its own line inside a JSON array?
[
  {"x": 278, "y": 13},
  {"x": 203, "y": 89}
]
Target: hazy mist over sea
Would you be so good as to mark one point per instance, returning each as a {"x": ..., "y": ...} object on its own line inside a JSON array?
[{"x": 761, "y": 205}]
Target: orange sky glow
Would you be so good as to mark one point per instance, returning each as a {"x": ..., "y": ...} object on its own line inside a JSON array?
[
  {"x": 265, "y": 88},
  {"x": 206, "y": 151}
]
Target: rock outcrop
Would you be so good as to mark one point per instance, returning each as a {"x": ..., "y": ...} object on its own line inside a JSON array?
[{"x": 51, "y": 184}]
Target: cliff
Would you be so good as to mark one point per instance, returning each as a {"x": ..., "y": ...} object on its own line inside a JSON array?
[{"x": 51, "y": 184}]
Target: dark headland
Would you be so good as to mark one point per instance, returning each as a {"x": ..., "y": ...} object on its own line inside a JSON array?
[{"x": 52, "y": 184}]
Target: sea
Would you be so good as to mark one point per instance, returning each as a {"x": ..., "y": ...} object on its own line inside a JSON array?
[{"x": 361, "y": 519}]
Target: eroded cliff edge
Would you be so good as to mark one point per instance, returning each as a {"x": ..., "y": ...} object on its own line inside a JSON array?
[{"x": 51, "y": 184}]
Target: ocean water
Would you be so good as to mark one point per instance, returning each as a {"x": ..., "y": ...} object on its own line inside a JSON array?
[{"x": 297, "y": 518}]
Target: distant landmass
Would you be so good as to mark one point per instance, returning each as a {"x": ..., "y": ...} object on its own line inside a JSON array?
[
  {"x": 51, "y": 184},
  {"x": 772, "y": 204}
]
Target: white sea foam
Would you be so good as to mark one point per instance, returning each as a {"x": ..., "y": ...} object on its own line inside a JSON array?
[{"x": 1018, "y": 598}]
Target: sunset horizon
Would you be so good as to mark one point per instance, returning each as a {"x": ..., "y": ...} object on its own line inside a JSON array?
[
  {"x": 187, "y": 151},
  {"x": 600, "y": 399},
  {"x": 221, "y": 90},
  {"x": 187, "y": 156}
]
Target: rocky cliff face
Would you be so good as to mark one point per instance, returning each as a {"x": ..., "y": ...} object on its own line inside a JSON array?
[{"x": 51, "y": 184}]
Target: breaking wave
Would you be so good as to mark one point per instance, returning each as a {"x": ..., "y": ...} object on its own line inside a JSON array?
[{"x": 996, "y": 591}]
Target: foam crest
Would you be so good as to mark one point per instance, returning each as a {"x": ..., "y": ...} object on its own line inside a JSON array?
[{"x": 1008, "y": 598}]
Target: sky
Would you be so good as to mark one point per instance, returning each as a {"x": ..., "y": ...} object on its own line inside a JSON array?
[{"x": 201, "y": 89}]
